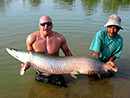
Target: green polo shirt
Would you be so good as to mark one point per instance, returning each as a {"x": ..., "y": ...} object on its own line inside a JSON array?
[{"x": 106, "y": 45}]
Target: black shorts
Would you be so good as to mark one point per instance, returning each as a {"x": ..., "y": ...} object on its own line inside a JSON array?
[{"x": 50, "y": 78}]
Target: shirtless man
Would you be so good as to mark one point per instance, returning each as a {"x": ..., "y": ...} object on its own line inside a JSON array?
[{"x": 48, "y": 42}]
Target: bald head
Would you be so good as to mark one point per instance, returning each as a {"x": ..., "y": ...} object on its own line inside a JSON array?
[{"x": 44, "y": 19}]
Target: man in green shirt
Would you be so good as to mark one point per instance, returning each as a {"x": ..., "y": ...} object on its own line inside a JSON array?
[{"x": 107, "y": 45}]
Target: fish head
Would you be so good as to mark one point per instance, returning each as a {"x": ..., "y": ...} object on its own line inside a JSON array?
[
  {"x": 22, "y": 56},
  {"x": 110, "y": 66}
]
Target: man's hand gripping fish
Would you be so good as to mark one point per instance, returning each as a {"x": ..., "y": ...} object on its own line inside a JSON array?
[{"x": 60, "y": 65}]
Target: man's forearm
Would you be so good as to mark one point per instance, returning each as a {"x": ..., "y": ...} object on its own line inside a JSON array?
[
  {"x": 112, "y": 58},
  {"x": 95, "y": 54}
]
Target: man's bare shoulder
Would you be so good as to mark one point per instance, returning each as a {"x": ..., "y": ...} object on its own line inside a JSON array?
[
  {"x": 34, "y": 34},
  {"x": 59, "y": 35},
  {"x": 31, "y": 37}
]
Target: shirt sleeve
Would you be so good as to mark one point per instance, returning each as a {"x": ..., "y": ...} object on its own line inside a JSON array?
[{"x": 96, "y": 42}]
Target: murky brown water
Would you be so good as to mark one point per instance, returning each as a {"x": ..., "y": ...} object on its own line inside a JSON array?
[{"x": 78, "y": 20}]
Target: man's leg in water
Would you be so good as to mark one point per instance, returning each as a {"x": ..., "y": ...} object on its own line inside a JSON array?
[{"x": 50, "y": 78}]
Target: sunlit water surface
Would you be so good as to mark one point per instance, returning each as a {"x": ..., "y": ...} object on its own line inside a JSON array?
[{"x": 78, "y": 20}]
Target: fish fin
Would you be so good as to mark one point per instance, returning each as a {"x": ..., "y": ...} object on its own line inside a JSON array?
[
  {"x": 46, "y": 74},
  {"x": 74, "y": 76},
  {"x": 98, "y": 74},
  {"x": 42, "y": 73},
  {"x": 115, "y": 69},
  {"x": 74, "y": 73},
  {"x": 22, "y": 70}
]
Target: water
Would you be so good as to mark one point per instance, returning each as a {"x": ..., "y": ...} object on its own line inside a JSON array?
[{"x": 78, "y": 20}]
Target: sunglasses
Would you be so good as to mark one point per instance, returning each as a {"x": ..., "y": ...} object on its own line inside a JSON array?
[{"x": 46, "y": 23}]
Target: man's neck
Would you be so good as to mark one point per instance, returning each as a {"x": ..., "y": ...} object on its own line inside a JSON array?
[{"x": 43, "y": 35}]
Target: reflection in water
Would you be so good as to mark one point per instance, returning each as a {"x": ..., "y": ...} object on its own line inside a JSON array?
[
  {"x": 109, "y": 6},
  {"x": 65, "y": 4},
  {"x": 85, "y": 88},
  {"x": 5, "y": 4},
  {"x": 49, "y": 91},
  {"x": 123, "y": 65},
  {"x": 81, "y": 88},
  {"x": 35, "y": 2},
  {"x": 2, "y": 5},
  {"x": 90, "y": 5},
  {"x": 62, "y": 2},
  {"x": 112, "y": 6},
  {"x": 102, "y": 89}
]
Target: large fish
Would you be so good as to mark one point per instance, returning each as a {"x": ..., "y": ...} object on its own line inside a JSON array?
[{"x": 60, "y": 65}]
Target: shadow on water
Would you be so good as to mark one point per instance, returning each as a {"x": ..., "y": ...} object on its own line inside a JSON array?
[
  {"x": 82, "y": 87},
  {"x": 86, "y": 88}
]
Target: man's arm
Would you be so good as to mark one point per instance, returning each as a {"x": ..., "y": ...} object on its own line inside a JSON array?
[
  {"x": 112, "y": 58},
  {"x": 95, "y": 54},
  {"x": 65, "y": 48},
  {"x": 29, "y": 41}
]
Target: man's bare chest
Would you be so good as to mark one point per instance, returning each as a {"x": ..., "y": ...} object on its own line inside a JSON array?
[{"x": 50, "y": 46}]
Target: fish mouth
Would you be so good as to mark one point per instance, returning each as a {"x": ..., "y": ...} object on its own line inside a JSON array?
[
  {"x": 114, "y": 68},
  {"x": 110, "y": 66}
]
